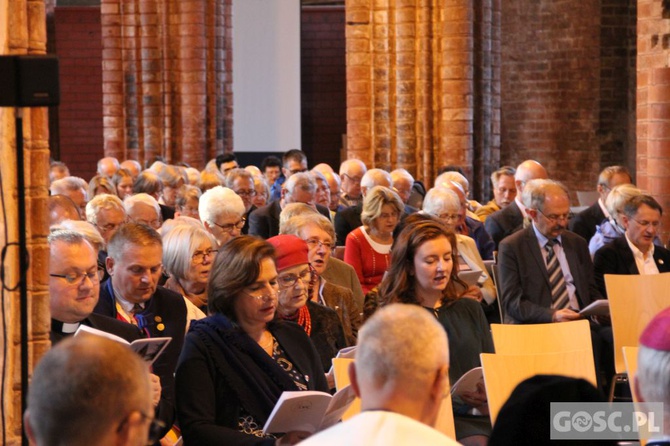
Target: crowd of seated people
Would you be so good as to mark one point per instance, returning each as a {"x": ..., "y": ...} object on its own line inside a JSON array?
[{"x": 260, "y": 275}]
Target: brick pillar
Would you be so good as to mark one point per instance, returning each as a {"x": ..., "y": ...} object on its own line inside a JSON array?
[
  {"x": 23, "y": 31},
  {"x": 411, "y": 83},
  {"x": 165, "y": 87},
  {"x": 653, "y": 104}
]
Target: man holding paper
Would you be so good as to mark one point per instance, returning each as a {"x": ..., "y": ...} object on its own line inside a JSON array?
[{"x": 401, "y": 376}]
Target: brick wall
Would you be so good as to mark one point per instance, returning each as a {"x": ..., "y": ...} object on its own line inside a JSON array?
[
  {"x": 550, "y": 84},
  {"x": 79, "y": 49},
  {"x": 323, "y": 83}
]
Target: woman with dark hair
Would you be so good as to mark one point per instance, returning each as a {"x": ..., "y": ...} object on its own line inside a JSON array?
[
  {"x": 422, "y": 272},
  {"x": 236, "y": 363}
]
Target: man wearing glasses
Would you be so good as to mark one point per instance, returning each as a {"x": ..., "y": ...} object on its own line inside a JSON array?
[
  {"x": 351, "y": 173},
  {"x": 635, "y": 252},
  {"x": 242, "y": 183},
  {"x": 222, "y": 212},
  {"x": 546, "y": 272}
]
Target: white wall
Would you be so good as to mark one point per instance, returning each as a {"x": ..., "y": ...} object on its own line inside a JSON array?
[{"x": 266, "y": 75}]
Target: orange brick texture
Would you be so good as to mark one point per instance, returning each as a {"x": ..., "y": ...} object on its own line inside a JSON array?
[
  {"x": 25, "y": 22},
  {"x": 167, "y": 79},
  {"x": 414, "y": 69}
]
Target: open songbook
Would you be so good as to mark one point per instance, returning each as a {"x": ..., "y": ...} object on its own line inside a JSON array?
[
  {"x": 149, "y": 349},
  {"x": 468, "y": 382},
  {"x": 600, "y": 307},
  {"x": 308, "y": 411}
]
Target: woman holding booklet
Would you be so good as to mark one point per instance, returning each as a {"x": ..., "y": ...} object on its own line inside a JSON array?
[
  {"x": 236, "y": 363},
  {"x": 423, "y": 272}
]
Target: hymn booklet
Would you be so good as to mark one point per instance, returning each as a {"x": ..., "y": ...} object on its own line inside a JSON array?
[{"x": 149, "y": 348}]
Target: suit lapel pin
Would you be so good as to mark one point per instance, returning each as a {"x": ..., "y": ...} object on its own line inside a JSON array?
[{"x": 660, "y": 261}]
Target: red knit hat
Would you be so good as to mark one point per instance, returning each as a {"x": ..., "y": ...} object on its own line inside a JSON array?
[
  {"x": 657, "y": 333},
  {"x": 290, "y": 251}
]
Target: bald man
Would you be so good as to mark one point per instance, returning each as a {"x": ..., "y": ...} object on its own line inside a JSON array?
[{"x": 510, "y": 219}]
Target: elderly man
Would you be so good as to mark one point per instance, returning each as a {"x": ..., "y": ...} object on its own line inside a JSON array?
[
  {"x": 402, "y": 182},
  {"x": 222, "y": 212},
  {"x": 351, "y": 174},
  {"x": 132, "y": 166},
  {"x": 242, "y": 183},
  {"x": 103, "y": 382},
  {"x": 508, "y": 220},
  {"x": 401, "y": 376},
  {"x": 322, "y": 195},
  {"x": 449, "y": 177},
  {"x": 585, "y": 222},
  {"x": 334, "y": 184},
  {"x": 635, "y": 252},
  {"x": 61, "y": 207},
  {"x": 143, "y": 208},
  {"x": 350, "y": 218},
  {"x": 106, "y": 212},
  {"x": 504, "y": 192},
  {"x": 108, "y": 166},
  {"x": 75, "y": 188},
  {"x": 298, "y": 188},
  {"x": 653, "y": 369}
]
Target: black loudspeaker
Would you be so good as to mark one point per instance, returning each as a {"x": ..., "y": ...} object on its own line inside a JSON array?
[{"x": 29, "y": 81}]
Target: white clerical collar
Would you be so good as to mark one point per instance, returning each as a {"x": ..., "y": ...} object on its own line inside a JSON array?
[{"x": 69, "y": 328}]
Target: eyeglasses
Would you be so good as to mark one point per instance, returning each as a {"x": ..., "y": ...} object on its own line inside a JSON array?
[
  {"x": 554, "y": 218},
  {"x": 354, "y": 179},
  {"x": 109, "y": 227},
  {"x": 78, "y": 278},
  {"x": 289, "y": 280},
  {"x": 316, "y": 243},
  {"x": 449, "y": 217},
  {"x": 261, "y": 297},
  {"x": 199, "y": 256},
  {"x": 230, "y": 226},
  {"x": 153, "y": 223},
  {"x": 645, "y": 224},
  {"x": 246, "y": 193},
  {"x": 155, "y": 428}
]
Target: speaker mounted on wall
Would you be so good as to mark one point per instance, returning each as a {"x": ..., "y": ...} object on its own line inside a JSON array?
[{"x": 29, "y": 81}]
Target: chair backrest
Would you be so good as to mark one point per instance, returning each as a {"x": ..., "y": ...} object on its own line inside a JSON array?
[
  {"x": 496, "y": 282},
  {"x": 634, "y": 301},
  {"x": 445, "y": 417},
  {"x": 502, "y": 373},
  {"x": 630, "y": 358},
  {"x": 338, "y": 252},
  {"x": 587, "y": 197},
  {"x": 513, "y": 339}
]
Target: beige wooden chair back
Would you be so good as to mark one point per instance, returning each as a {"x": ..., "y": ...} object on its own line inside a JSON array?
[
  {"x": 630, "y": 358},
  {"x": 502, "y": 373},
  {"x": 445, "y": 417},
  {"x": 634, "y": 301},
  {"x": 513, "y": 339}
]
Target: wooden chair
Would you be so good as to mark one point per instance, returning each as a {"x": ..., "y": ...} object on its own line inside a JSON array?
[
  {"x": 630, "y": 358},
  {"x": 502, "y": 373},
  {"x": 513, "y": 339},
  {"x": 445, "y": 417},
  {"x": 496, "y": 282},
  {"x": 338, "y": 252},
  {"x": 634, "y": 301},
  {"x": 587, "y": 197}
]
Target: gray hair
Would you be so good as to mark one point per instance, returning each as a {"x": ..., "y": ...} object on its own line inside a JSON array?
[
  {"x": 301, "y": 180},
  {"x": 608, "y": 172},
  {"x": 293, "y": 210},
  {"x": 653, "y": 375},
  {"x": 86, "y": 229},
  {"x": 236, "y": 173},
  {"x": 401, "y": 174},
  {"x": 294, "y": 224},
  {"x": 220, "y": 201},
  {"x": 132, "y": 200},
  {"x": 347, "y": 164},
  {"x": 375, "y": 199},
  {"x": 535, "y": 192},
  {"x": 100, "y": 202},
  {"x": 67, "y": 236},
  {"x": 376, "y": 177},
  {"x": 66, "y": 184},
  {"x": 439, "y": 199},
  {"x": 392, "y": 350},
  {"x": 444, "y": 179},
  {"x": 179, "y": 244},
  {"x": 618, "y": 197}
]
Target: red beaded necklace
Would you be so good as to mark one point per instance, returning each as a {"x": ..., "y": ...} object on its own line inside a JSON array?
[{"x": 302, "y": 318}]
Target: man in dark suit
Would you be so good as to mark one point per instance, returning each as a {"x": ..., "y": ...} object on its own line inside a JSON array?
[
  {"x": 510, "y": 219},
  {"x": 585, "y": 222},
  {"x": 298, "y": 188},
  {"x": 525, "y": 282},
  {"x": 635, "y": 252}
]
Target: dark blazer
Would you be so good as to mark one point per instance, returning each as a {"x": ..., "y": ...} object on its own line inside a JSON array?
[
  {"x": 245, "y": 229},
  {"x": 167, "y": 212},
  {"x": 524, "y": 282},
  {"x": 504, "y": 222},
  {"x": 327, "y": 333},
  {"x": 616, "y": 257},
  {"x": 264, "y": 221},
  {"x": 103, "y": 323},
  {"x": 584, "y": 223}
]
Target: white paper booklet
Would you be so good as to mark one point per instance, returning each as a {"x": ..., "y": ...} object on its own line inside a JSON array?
[
  {"x": 600, "y": 307},
  {"x": 149, "y": 348},
  {"x": 468, "y": 382}
]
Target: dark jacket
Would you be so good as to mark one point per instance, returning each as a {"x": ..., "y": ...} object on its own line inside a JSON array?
[
  {"x": 584, "y": 224},
  {"x": 264, "y": 221}
]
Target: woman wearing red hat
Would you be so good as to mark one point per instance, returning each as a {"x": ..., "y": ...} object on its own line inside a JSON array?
[
  {"x": 236, "y": 363},
  {"x": 322, "y": 324}
]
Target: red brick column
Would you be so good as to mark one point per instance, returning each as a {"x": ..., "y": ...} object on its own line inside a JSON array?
[
  {"x": 653, "y": 105},
  {"x": 165, "y": 86},
  {"x": 411, "y": 83},
  {"x": 23, "y": 31}
]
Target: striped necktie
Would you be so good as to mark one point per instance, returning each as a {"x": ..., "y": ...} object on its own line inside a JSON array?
[{"x": 559, "y": 292}]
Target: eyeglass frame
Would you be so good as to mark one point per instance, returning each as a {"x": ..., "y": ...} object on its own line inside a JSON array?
[
  {"x": 554, "y": 218},
  {"x": 230, "y": 226},
  {"x": 155, "y": 426},
  {"x": 311, "y": 242},
  {"x": 93, "y": 277},
  {"x": 645, "y": 224},
  {"x": 211, "y": 253},
  {"x": 246, "y": 193},
  {"x": 308, "y": 273},
  {"x": 354, "y": 179}
]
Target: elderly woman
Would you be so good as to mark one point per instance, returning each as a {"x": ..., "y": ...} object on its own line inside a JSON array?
[
  {"x": 445, "y": 205},
  {"x": 367, "y": 247},
  {"x": 321, "y": 323},
  {"x": 123, "y": 183},
  {"x": 222, "y": 212},
  {"x": 613, "y": 228},
  {"x": 186, "y": 204},
  {"x": 262, "y": 191},
  {"x": 236, "y": 363},
  {"x": 424, "y": 272},
  {"x": 318, "y": 232},
  {"x": 143, "y": 208},
  {"x": 188, "y": 253}
]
